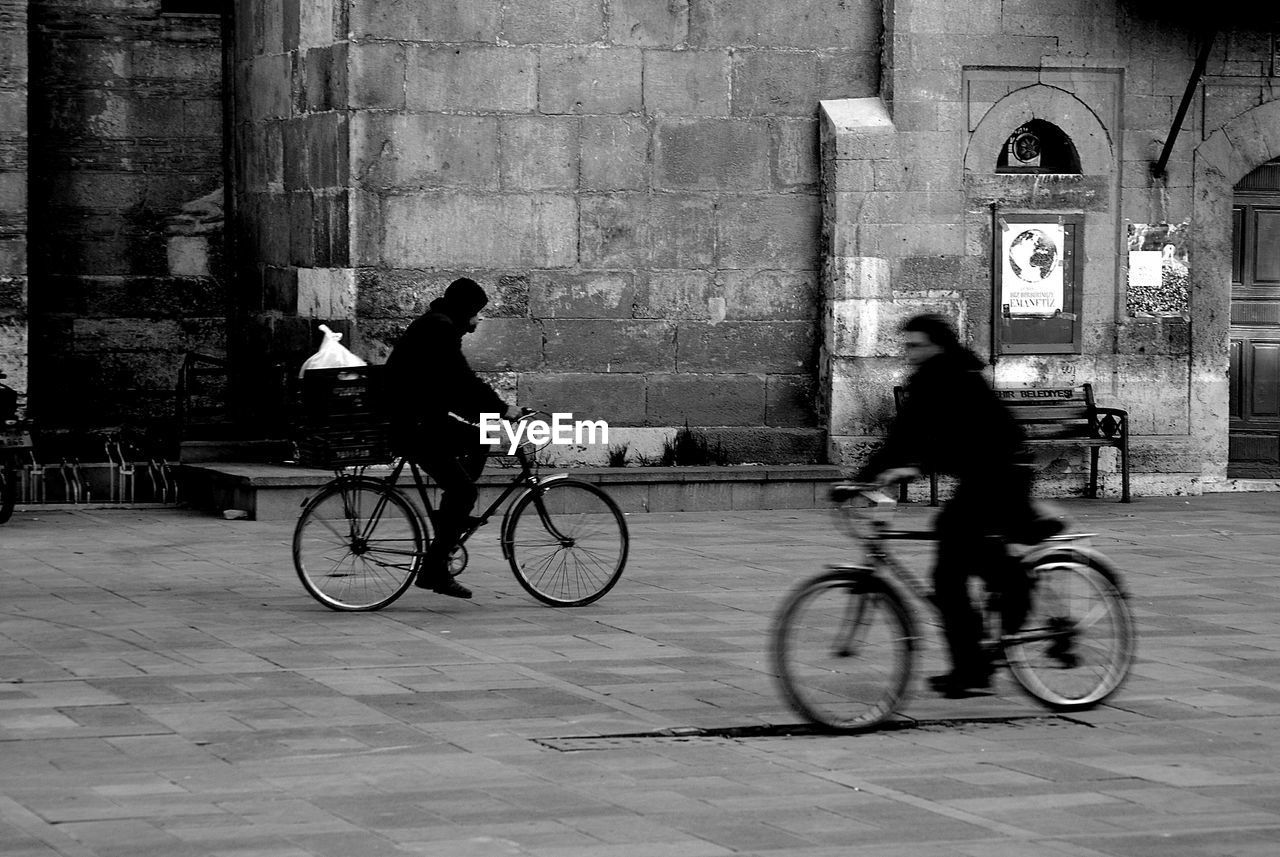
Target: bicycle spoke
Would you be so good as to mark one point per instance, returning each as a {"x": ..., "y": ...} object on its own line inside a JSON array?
[
  {"x": 348, "y": 561},
  {"x": 567, "y": 558}
]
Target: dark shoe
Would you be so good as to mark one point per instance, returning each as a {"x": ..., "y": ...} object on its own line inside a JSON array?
[
  {"x": 451, "y": 587},
  {"x": 432, "y": 572},
  {"x": 957, "y": 685}
]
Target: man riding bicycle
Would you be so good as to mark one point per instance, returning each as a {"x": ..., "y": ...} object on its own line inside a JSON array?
[
  {"x": 952, "y": 422},
  {"x": 436, "y": 401}
]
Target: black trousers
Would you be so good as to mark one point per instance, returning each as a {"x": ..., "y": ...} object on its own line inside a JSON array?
[
  {"x": 455, "y": 472},
  {"x": 972, "y": 530}
]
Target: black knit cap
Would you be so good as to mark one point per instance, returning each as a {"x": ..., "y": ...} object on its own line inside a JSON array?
[{"x": 465, "y": 297}]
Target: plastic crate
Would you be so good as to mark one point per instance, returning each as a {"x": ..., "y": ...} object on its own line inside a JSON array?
[
  {"x": 332, "y": 448},
  {"x": 334, "y": 397}
]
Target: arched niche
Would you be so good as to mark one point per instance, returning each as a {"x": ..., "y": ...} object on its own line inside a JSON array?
[
  {"x": 1038, "y": 147},
  {"x": 1046, "y": 106}
]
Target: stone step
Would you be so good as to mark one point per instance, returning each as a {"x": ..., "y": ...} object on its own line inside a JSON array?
[{"x": 276, "y": 492}]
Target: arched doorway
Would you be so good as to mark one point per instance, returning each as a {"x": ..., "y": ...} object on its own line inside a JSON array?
[{"x": 1254, "y": 448}]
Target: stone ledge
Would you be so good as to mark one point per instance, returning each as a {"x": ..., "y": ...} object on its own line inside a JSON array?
[{"x": 276, "y": 491}]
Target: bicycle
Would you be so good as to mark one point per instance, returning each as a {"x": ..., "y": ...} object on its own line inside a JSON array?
[
  {"x": 359, "y": 541},
  {"x": 14, "y": 440},
  {"x": 844, "y": 643}
]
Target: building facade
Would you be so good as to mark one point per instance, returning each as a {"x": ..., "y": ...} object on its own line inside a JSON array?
[{"x": 701, "y": 212}]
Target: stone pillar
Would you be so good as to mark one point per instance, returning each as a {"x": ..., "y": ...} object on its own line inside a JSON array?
[
  {"x": 860, "y": 360},
  {"x": 13, "y": 193},
  {"x": 292, "y": 194}
]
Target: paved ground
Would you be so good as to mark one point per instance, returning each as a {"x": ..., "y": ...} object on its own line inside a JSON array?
[{"x": 167, "y": 688}]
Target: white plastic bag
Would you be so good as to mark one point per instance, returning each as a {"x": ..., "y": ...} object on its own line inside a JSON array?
[{"x": 332, "y": 354}]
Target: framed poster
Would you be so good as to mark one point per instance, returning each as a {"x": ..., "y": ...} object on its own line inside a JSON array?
[{"x": 1037, "y": 283}]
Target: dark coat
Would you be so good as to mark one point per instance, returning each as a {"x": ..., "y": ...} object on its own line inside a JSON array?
[
  {"x": 951, "y": 422},
  {"x": 429, "y": 378}
]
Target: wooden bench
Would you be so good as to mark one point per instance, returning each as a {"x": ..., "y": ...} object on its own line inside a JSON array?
[{"x": 1059, "y": 416}]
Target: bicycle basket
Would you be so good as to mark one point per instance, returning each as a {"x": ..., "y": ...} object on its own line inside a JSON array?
[
  {"x": 353, "y": 446},
  {"x": 343, "y": 423}
]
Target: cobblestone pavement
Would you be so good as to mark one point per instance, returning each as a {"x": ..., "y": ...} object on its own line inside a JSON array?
[{"x": 167, "y": 688}]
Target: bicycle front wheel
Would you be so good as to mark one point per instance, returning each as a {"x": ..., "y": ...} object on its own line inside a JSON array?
[
  {"x": 1077, "y": 644},
  {"x": 843, "y": 650},
  {"x": 567, "y": 543},
  {"x": 357, "y": 545}
]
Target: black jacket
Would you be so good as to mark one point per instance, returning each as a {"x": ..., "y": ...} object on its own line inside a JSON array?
[
  {"x": 429, "y": 378},
  {"x": 951, "y": 422}
]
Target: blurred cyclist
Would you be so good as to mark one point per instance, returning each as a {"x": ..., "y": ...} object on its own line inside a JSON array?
[{"x": 952, "y": 422}]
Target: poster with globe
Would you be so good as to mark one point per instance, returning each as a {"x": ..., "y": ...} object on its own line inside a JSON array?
[{"x": 1031, "y": 259}]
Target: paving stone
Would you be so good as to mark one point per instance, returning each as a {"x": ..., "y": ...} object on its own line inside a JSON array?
[{"x": 268, "y": 725}]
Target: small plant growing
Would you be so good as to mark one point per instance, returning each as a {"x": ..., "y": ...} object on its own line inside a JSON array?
[
  {"x": 618, "y": 455},
  {"x": 690, "y": 448}
]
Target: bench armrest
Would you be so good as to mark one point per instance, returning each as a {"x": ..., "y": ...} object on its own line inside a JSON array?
[{"x": 1113, "y": 422}]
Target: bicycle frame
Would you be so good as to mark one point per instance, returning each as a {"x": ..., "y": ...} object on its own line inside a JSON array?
[
  {"x": 1062, "y": 547},
  {"x": 525, "y": 479}
]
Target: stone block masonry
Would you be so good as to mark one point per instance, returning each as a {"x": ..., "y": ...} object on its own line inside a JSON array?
[
  {"x": 126, "y": 230},
  {"x": 634, "y": 181},
  {"x": 14, "y": 138}
]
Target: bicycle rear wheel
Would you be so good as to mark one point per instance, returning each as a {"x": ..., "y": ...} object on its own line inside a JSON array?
[
  {"x": 8, "y": 491},
  {"x": 1077, "y": 644},
  {"x": 843, "y": 650},
  {"x": 567, "y": 542},
  {"x": 357, "y": 545}
]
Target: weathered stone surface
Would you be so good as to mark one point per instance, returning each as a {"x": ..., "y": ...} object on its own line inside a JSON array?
[
  {"x": 833, "y": 23},
  {"x": 610, "y": 346},
  {"x": 775, "y": 82},
  {"x": 787, "y": 347},
  {"x": 706, "y": 400},
  {"x": 648, "y": 23},
  {"x": 539, "y": 153},
  {"x": 771, "y": 232},
  {"x": 589, "y": 80},
  {"x": 615, "y": 230},
  {"x": 505, "y": 345},
  {"x": 472, "y": 230},
  {"x": 473, "y": 79},
  {"x": 791, "y": 401},
  {"x": 775, "y": 446},
  {"x": 377, "y": 76},
  {"x": 425, "y": 151},
  {"x": 618, "y": 399},
  {"x": 682, "y": 230},
  {"x": 687, "y": 83},
  {"x": 326, "y": 293},
  {"x": 437, "y": 21},
  {"x": 614, "y": 153},
  {"x": 770, "y": 295},
  {"x": 795, "y": 153},
  {"x": 586, "y": 294},
  {"x": 861, "y": 402},
  {"x": 554, "y": 21},
  {"x": 712, "y": 154},
  {"x": 678, "y": 294}
]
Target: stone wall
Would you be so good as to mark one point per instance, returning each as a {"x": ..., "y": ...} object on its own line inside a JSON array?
[
  {"x": 13, "y": 193},
  {"x": 634, "y": 181},
  {"x": 126, "y": 166},
  {"x": 292, "y": 129},
  {"x": 912, "y": 182}
]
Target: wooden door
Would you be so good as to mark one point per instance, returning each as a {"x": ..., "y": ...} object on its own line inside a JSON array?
[{"x": 1255, "y": 327}]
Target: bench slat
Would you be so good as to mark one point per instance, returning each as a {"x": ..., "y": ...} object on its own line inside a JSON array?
[{"x": 1034, "y": 413}]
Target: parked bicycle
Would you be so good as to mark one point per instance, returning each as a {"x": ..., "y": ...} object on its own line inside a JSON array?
[
  {"x": 15, "y": 440},
  {"x": 360, "y": 541},
  {"x": 845, "y": 643}
]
